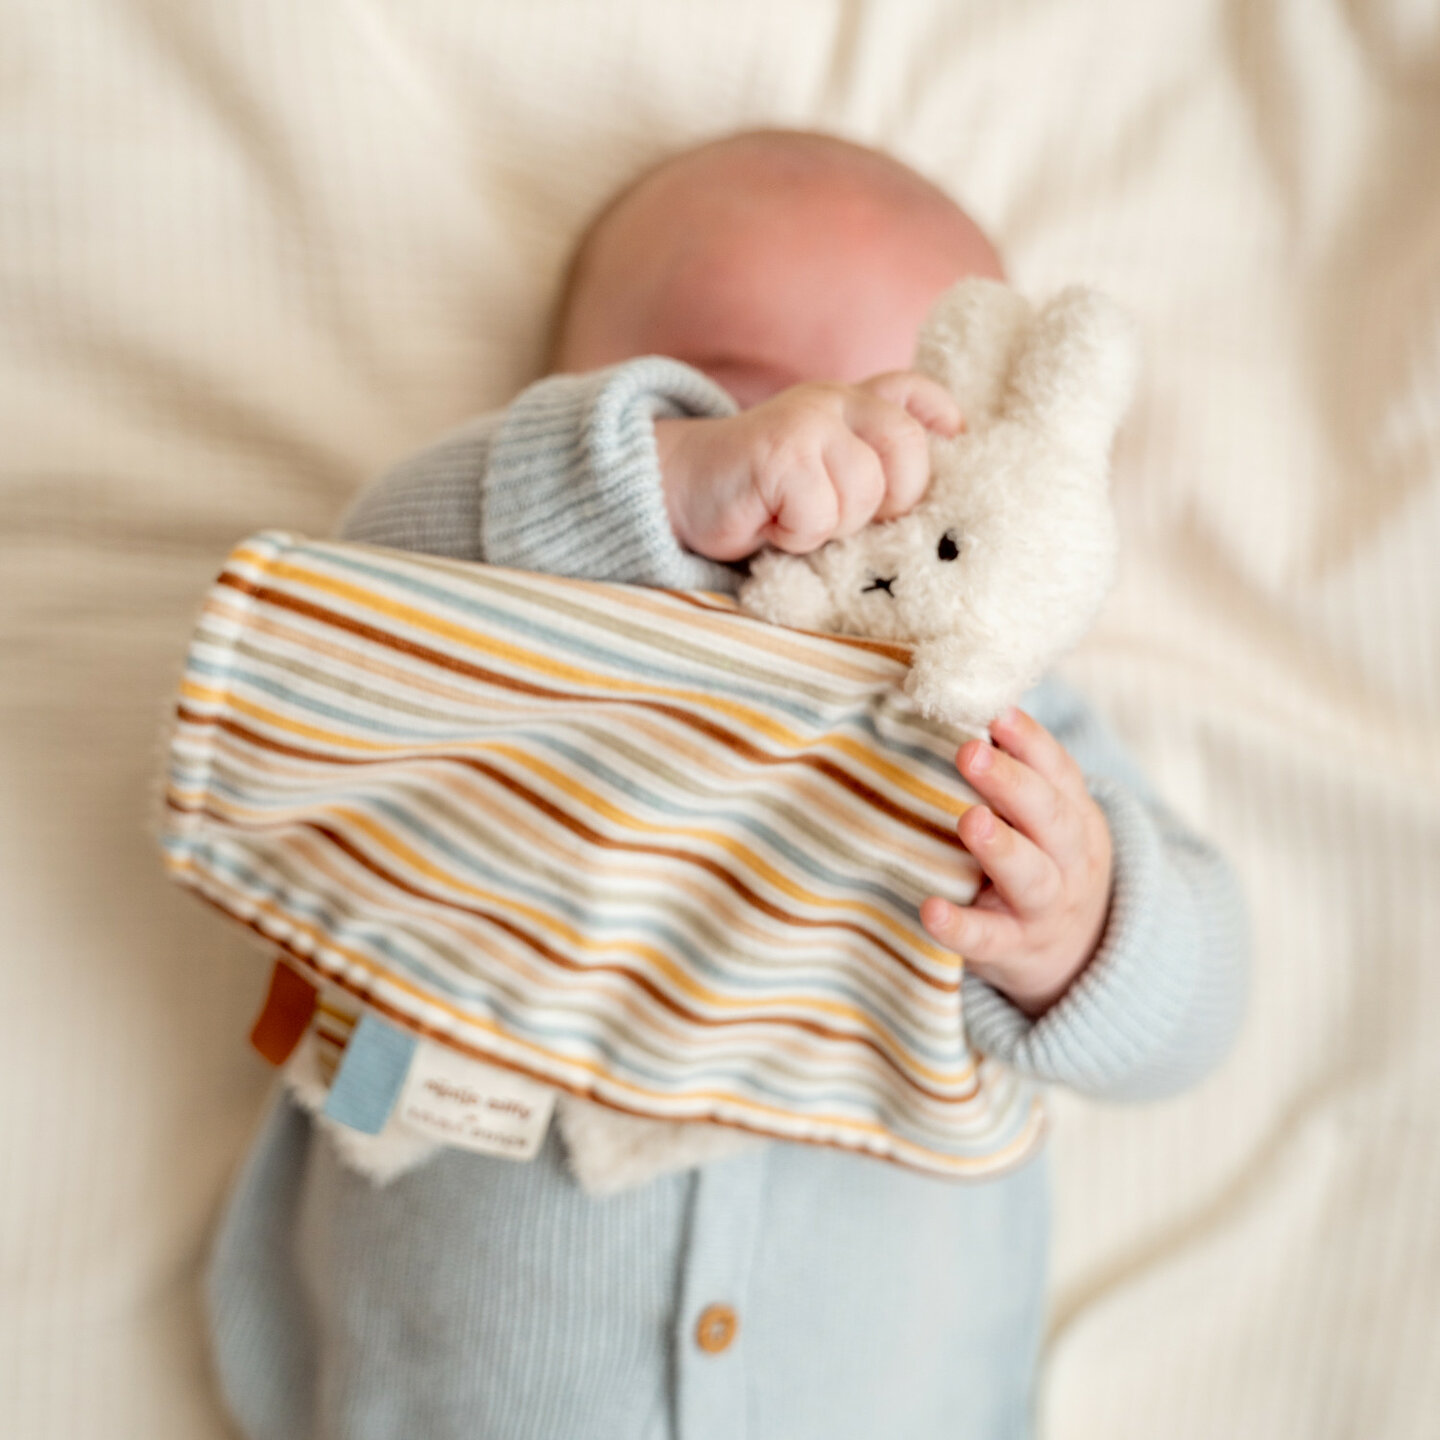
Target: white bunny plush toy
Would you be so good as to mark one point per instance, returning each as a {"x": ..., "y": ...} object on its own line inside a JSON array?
[{"x": 1003, "y": 565}]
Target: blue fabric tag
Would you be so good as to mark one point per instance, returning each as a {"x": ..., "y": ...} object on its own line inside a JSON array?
[{"x": 372, "y": 1072}]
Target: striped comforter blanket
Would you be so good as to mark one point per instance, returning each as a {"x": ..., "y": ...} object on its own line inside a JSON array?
[{"x": 627, "y": 842}]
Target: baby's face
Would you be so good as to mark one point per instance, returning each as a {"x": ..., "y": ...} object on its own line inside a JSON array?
[{"x": 762, "y": 284}]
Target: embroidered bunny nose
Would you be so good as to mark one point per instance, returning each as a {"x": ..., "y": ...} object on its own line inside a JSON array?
[{"x": 878, "y": 582}]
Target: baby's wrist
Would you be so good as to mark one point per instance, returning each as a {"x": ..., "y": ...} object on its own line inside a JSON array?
[
  {"x": 674, "y": 476},
  {"x": 698, "y": 488},
  {"x": 1036, "y": 990},
  {"x": 1032, "y": 994}
]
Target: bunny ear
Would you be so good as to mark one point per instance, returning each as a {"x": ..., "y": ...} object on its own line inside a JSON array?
[
  {"x": 968, "y": 340},
  {"x": 1076, "y": 371},
  {"x": 785, "y": 590}
]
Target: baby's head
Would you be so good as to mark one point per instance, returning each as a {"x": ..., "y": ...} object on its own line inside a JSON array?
[{"x": 766, "y": 259}]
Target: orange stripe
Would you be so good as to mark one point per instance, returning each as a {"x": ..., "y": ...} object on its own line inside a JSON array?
[
  {"x": 417, "y": 1026},
  {"x": 637, "y": 978},
  {"x": 718, "y": 732},
  {"x": 590, "y": 835}
]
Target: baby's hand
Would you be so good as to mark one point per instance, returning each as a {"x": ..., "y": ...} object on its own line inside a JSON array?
[
  {"x": 1044, "y": 846},
  {"x": 811, "y": 464}
]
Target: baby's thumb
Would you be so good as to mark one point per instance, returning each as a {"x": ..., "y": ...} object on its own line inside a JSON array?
[{"x": 927, "y": 400}]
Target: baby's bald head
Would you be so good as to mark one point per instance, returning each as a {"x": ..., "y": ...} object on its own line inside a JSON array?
[{"x": 766, "y": 259}]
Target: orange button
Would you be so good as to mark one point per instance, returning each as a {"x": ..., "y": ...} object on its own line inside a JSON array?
[{"x": 716, "y": 1328}]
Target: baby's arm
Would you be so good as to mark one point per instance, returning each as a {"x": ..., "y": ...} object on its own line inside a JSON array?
[
  {"x": 645, "y": 473},
  {"x": 566, "y": 481},
  {"x": 1155, "y": 999}
]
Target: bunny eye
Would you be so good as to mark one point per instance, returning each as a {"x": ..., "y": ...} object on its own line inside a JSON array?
[{"x": 947, "y": 549}]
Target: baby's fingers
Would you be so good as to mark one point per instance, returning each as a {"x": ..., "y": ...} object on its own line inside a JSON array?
[
  {"x": 860, "y": 476},
  {"x": 1024, "y": 798},
  {"x": 899, "y": 443},
  {"x": 1024, "y": 877},
  {"x": 1032, "y": 744},
  {"x": 805, "y": 509},
  {"x": 926, "y": 399},
  {"x": 987, "y": 937}
]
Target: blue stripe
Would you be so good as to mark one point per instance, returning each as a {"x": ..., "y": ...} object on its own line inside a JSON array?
[
  {"x": 349, "y": 931},
  {"x": 698, "y": 812},
  {"x": 374, "y": 938},
  {"x": 565, "y": 642},
  {"x": 283, "y": 690},
  {"x": 583, "y": 1042}
]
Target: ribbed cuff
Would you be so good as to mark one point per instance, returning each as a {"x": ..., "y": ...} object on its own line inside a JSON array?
[
  {"x": 574, "y": 485},
  {"x": 1160, "y": 1002}
]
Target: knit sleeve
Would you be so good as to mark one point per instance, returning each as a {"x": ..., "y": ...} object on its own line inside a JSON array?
[
  {"x": 1161, "y": 1001},
  {"x": 566, "y": 481}
]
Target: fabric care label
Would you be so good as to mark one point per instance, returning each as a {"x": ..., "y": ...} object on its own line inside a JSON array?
[{"x": 467, "y": 1103}]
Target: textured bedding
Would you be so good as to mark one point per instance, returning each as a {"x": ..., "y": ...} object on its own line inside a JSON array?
[{"x": 249, "y": 255}]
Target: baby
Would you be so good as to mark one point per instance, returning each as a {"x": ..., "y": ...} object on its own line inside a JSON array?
[{"x": 732, "y": 346}]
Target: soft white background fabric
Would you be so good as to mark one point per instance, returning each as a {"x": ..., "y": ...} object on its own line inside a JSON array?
[{"x": 249, "y": 254}]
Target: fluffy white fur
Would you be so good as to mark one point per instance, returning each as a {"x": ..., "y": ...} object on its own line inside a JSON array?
[
  {"x": 1003, "y": 565},
  {"x": 609, "y": 1152},
  {"x": 1023, "y": 497}
]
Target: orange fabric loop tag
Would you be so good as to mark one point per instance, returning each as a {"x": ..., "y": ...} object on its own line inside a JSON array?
[{"x": 285, "y": 1015}]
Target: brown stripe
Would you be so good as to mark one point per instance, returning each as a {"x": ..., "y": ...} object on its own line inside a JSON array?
[
  {"x": 635, "y": 976},
  {"x": 594, "y": 837},
  {"x": 455, "y": 808},
  {"x": 903, "y": 846},
  {"x": 646, "y": 1031},
  {"x": 626, "y": 613},
  {"x": 750, "y": 896},
  {"x": 741, "y": 746},
  {"x": 815, "y": 808},
  {"x": 449, "y": 1041},
  {"x": 652, "y": 598},
  {"x": 890, "y": 649}
]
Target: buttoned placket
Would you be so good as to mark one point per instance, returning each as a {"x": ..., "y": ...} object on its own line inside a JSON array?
[{"x": 710, "y": 1339}]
